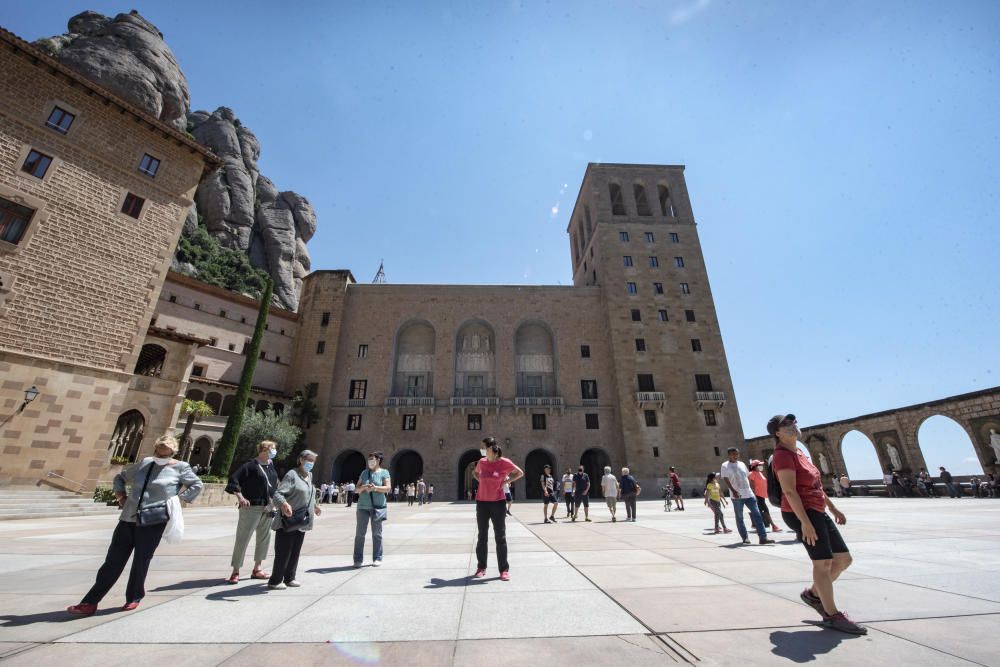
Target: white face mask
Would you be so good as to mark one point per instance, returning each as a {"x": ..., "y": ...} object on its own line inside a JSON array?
[
  {"x": 482, "y": 452},
  {"x": 161, "y": 461},
  {"x": 372, "y": 464},
  {"x": 271, "y": 453}
]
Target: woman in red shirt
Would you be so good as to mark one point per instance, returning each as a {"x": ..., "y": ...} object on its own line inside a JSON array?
[
  {"x": 803, "y": 507},
  {"x": 492, "y": 472}
]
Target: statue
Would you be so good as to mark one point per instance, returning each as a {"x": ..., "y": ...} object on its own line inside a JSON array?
[
  {"x": 995, "y": 443},
  {"x": 475, "y": 342},
  {"x": 486, "y": 343},
  {"x": 893, "y": 456},
  {"x": 465, "y": 343},
  {"x": 823, "y": 464}
]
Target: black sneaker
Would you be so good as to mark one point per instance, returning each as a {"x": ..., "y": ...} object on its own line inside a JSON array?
[
  {"x": 813, "y": 601},
  {"x": 766, "y": 541},
  {"x": 839, "y": 621}
]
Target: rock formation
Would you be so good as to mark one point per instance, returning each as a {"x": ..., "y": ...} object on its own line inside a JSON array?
[{"x": 128, "y": 56}]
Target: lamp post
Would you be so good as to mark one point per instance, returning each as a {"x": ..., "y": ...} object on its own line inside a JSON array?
[{"x": 29, "y": 395}]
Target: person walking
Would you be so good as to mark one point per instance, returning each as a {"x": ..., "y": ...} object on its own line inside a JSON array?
[
  {"x": 324, "y": 488},
  {"x": 492, "y": 471},
  {"x": 430, "y": 493},
  {"x": 373, "y": 484},
  {"x": 581, "y": 493},
  {"x": 887, "y": 479},
  {"x": 507, "y": 497},
  {"x": 715, "y": 501},
  {"x": 567, "y": 488},
  {"x": 350, "y": 493},
  {"x": 411, "y": 493},
  {"x": 737, "y": 476},
  {"x": 253, "y": 484},
  {"x": 953, "y": 490},
  {"x": 803, "y": 507},
  {"x": 296, "y": 502},
  {"x": 675, "y": 488},
  {"x": 758, "y": 481},
  {"x": 421, "y": 491},
  {"x": 629, "y": 489},
  {"x": 154, "y": 481},
  {"x": 549, "y": 494},
  {"x": 609, "y": 487},
  {"x": 395, "y": 494}
]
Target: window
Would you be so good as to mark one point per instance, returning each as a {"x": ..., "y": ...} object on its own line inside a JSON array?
[
  {"x": 592, "y": 421},
  {"x": 198, "y": 370},
  {"x": 645, "y": 381},
  {"x": 474, "y": 422},
  {"x": 197, "y": 306},
  {"x": 232, "y": 347},
  {"x": 617, "y": 203},
  {"x": 60, "y": 120},
  {"x": 623, "y": 237},
  {"x": 656, "y": 452},
  {"x": 246, "y": 347},
  {"x": 222, "y": 313},
  {"x": 674, "y": 238},
  {"x": 650, "y": 417},
  {"x": 409, "y": 422},
  {"x": 679, "y": 262},
  {"x": 362, "y": 351},
  {"x": 654, "y": 262},
  {"x": 595, "y": 276},
  {"x": 585, "y": 351},
  {"x": 641, "y": 203},
  {"x": 585, "y": 267},
  {"x": 592, "y": 252},
  {"x": 710, "y": 418},
  {"x": 636, "y": 315},
  {"x": 172, "y": 299},
  {"x": 649, "y": 237},
  {"x": 277, "y": 359},
  {"x": 689, "y": 315},
  {"x": 717, "y": 451},
  {"x": 685, "y": 288},
  {"x": 263, "y": 354},
  {"x": 695, "y": 345},
  {"x": 324, "y": 320},
  {"x": 640, "y": 344},
  {"x": 14, "y": 220},
  {"x": 36, "y": 164},
  {"x": 243, "y": 320},
  {"x": 666, "y": 206},
  {"x": 627, "y": 260},
  {"x": 662, "y": 315},
  {"x": 703, "y": 382},
  {"x": 132, "y": 206},
  {"x": 282, "y": 332},
  {"x": 359, "y": 389},
  {"x": 588, "y": 390},
  {"x": 148, "y": 165},
  {"x": 214, "y": 342},
  {"x": 632, "y": 289},
  {"x": 538, "y": 422},
  {"x": 353, "y": 422},
  {"x": 657, "y": 288},
  {"x": 321, "y": 347}
]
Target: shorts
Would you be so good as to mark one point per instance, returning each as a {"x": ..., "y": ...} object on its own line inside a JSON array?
[
  {"x": 828, "y": 539},
  {"x": 581, "y": 499},
  {"x": 551, "y": 498},
  {"x": 612, "y": 502},
  {"x": 677, "y": 491},
  {"x": 507, "y": 497}
]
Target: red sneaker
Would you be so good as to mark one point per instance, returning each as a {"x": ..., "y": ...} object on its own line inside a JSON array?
[
  {"x": 82, "y": 609},
  {"x": 131, "y": 606},
  {"x": 505, "y": 576},
  {"x": 480, "y": 573}
]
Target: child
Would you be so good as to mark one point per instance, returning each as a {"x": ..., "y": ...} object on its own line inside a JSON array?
[{"x": 714, "y": 499}]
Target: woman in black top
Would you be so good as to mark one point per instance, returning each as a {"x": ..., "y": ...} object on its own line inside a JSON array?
[{"x": 253, "y": 484}]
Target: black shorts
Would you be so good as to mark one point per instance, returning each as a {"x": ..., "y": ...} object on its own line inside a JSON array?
[
  {"x": 828, "y": 539},
  {"x": 677, "y": 491},
  {"x": 584, "y": 500},
  {"x": 551, "y": 498},
  {"x": 507, "y": 497}
]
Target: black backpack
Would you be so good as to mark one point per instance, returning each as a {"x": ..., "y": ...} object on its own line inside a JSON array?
[{"x": 774, "y": 493}]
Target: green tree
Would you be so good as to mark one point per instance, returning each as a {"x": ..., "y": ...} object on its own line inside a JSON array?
[
  {"x": 195, "y": 411},
  {"x": 267, "y": 425},
  {"x": 215, "y": 265},
  {"x": 304, "y": 411},
  {"x": 227, "y": 444}
]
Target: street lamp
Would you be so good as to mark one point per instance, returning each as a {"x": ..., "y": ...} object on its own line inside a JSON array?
[
  {"x": 440, "y": 443},
  {"x": 29, "y": 396}
]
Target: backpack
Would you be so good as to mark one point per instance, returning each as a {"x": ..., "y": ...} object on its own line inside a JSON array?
[{"x": 774, "y": 493}]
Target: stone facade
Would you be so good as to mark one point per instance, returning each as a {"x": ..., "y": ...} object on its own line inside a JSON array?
[{"x": 80, "y": 284}]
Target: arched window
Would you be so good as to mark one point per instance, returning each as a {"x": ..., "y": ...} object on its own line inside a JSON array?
[
  {"x": 590, "y": 222},
  {"x": 214, "y": 400},
  {"x": 150, "y": 362},
  {"x": 475, "y": 360},
  {"x": 262, "y": 405},
  {"x": 227, "y": 405},
  {"x": 576, "y": 247},
  {"x": 535, "y": 361},
  {"x": 666, "y": 206},
  {"x": 127, "y": 436},
  {"x": 414, "y": 366},
  {"x": 641, "y": 203},
  {"x": 617, "y": 201},
  {"x": 279, "y": 408},
  {"x": 195, "y": 394}
]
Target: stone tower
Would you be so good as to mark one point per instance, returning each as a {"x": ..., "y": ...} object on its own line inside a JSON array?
[{"x": 633, "y": 234}]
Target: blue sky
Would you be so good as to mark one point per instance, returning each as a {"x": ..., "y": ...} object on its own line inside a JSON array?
[{"x": 842, "y": 159}]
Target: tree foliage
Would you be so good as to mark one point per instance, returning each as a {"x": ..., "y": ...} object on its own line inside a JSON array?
[
  {"x": 220, "y": 266},
  {"x": 304, "y": 411},
  {"x": 267, "y": 425}
]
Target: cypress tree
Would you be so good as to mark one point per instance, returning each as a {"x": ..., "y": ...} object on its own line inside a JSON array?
[{"x": 223, "y": 458}]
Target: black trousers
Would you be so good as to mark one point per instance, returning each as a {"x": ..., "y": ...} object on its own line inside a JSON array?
[
  {"x": 495, "y": 512},
  {"x": 765, "y": 513},
  {"x": 629, "y": 499},
  {"x": 287, "y": 545},
  {"x": 128, "y": 537},
  {"x": 569, "y": 502}
]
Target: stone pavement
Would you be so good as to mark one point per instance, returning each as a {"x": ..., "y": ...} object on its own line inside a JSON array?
[{"x": 658, "y": 591}]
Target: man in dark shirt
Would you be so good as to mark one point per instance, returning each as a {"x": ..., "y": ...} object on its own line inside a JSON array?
[
  {"x": 953, "y": 490},
  {"x": 581, "y": 491}
]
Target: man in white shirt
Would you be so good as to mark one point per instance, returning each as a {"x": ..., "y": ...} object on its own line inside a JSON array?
[
  {"x": 609, "y": 485},
  {"x": 737, "y": 476},
  {"x": 350, "y": 493}
]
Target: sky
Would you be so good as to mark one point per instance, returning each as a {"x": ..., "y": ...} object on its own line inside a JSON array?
[{"x": 841, "y": 157}]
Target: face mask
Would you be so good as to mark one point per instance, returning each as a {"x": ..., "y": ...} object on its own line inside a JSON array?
[
  {"x": 308, "y": 465},
  {"x": 271, "y": 453},
  {"x": 482, "y": 452},
  {"x": 161, "y": 461},
  {"x": 372, "y": 464}
]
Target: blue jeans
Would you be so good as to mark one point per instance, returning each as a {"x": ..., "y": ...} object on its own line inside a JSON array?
[
  {"x": 364, "y": 518},
  {"x": 758, "y": 521}
]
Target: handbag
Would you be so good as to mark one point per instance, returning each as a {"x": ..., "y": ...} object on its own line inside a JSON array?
[
  {"x": 299, "y": 518},
  {"x": 380, "y": 513},
  {"x": 152, "y": 515}
]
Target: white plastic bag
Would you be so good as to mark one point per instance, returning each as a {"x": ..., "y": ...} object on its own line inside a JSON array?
[{"x": 174, "y": 532}]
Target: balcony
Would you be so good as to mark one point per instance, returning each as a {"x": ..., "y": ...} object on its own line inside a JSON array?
[
  {"x": 644, "y": 398},
  {"x": 419, "y": 402},
  {"x": 716, "y": 398},
  {"x": 485, "y": 399},
  {"x": 528, "y": 402},
  {"x": 590, "y": 402},
  {"x": 356, "y": 402}
]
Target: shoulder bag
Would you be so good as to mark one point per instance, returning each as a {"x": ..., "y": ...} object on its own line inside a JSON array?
[
  {"x": 298, "y": 519},
  {"x": 152, "y": 515}
]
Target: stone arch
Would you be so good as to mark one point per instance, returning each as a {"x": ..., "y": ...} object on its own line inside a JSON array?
[
  {"x": 126, "y": 440},
  {"x": 475, "y": 359},
  {"x": 228, "y": 403},
  {"x": 466, "y": 463},
  {"x": 985, "y": 439},
  {"x": 616, "y": 198},
  {"x": 201, "y": 451},
  {"x": 407, "y": 466},
  {"x": 641, "y": 200},
  {"x": 151, "y": 360},
  {"x": 535, "y": 359},
  {"x": 593, "y": 461},
  {"x": 279, "y": 408},
  {"x": 413, "y": 362},
  {"x": 666, "y": 203},
  {"x": 195, "y": 395},
  {"x": 214, "y": 401},
  {"x": 861, "y": 462},
  {"x": 533, "y": 470},
  {"x": 939, "y": 437},
  {"x": 348, "y": 466}
]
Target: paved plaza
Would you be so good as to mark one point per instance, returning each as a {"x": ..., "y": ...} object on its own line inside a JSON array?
[{"x": 661, "y": 590}]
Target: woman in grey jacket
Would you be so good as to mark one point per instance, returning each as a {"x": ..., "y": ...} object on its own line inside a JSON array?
[
  {"x": 155, "y": 480},
  {"x": 296, "y": 502}
]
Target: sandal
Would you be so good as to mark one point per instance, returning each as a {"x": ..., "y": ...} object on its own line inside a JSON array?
[
  {"x": 234, "y": 578},
  {"x": 259, "y": 574}
]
